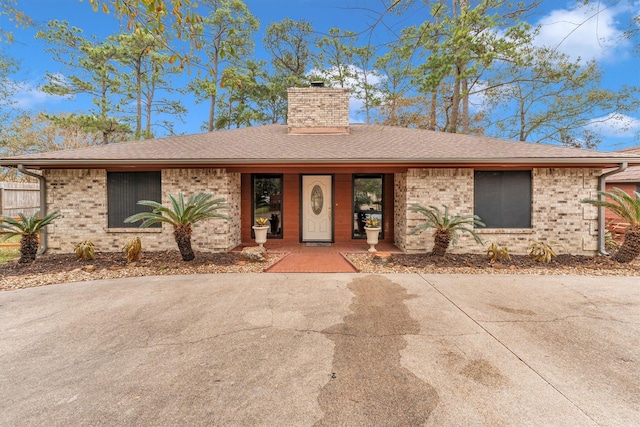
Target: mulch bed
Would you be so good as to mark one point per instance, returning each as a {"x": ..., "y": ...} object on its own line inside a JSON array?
[{"x": 63, "y": 268}]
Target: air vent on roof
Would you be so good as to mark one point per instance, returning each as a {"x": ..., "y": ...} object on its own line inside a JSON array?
[{"x": 317, "y": 83}]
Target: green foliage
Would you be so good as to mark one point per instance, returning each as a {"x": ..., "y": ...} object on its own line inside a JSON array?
[
  {"x": 27, "y": 228},
  {"x": 197, "y": 208},
  {"x": 85, "y": 250},
  {"x": 627, "y": 207},
  {"x": 9, "y": 12},
  {"x": 163, "y": 19},
  {"x": 542, "y": 251},
  {"x": 230, "y": 30},
  {"x": 442, "y": 221},
  {"x": 619, "y": 202},
  {"x": 534, "y": 111},
  {"x": 181, "y": 216},
  {"x": 335, "y": 57},
  {"x": 289, "y": 41},
  {"x": 610, "y": 242},
  {"x": 498, "y": 253},
  {"x": 133, "y": 249},
  {"x": 25, "y": 225}
]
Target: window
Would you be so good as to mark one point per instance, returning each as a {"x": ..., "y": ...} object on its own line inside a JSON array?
[
  {"x": 267, "y": 202},
  {"x": 124, "y": 190},
  {"x": 502, "y": 199},
  {"x": 367, "y": 202}
]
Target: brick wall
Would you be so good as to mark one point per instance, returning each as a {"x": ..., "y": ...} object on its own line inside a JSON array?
[
  {"x": 81, "y": 197},
  {"x": 557, "y": 214},
  {"x": 318, "y": 107}
]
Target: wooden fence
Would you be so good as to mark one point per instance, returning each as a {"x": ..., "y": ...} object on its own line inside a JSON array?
[
  {"x": 19, "y": 197},
  {"x": 15, "y": 198}
]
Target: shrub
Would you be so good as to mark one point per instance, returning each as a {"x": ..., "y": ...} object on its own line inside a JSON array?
[
  {"x": 446, "y": 227},
  {"x": 85, "y": 250},
  {"x": 542, "y": 251},
  {"x": 27, "y": 227},
  {"x": 627, "y": 207},
  {"x": 133, "y": 249},
  {"x": 498, "y": 253},
  {"x": 181, "y": 215}
]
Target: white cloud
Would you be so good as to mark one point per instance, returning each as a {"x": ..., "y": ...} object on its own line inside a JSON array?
[
  {"x": 588, "y": 32},
  {"x": 29, "y": 96},
  {"x": 616, "y": 125}
]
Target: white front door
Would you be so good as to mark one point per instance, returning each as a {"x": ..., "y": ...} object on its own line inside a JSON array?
[{"x": 317, "y": 204}]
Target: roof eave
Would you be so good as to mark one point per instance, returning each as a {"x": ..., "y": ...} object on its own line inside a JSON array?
[{"x": 595, "y": 161}]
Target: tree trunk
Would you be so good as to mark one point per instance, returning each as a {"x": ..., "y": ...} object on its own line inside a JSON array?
[
  {"x": 630, "y": 248},
  {"x": 182, "y": 234},
  {"x": 138, "y": 100},
  {"x": 212, "y": 113},
  {"x": 466, "y": 120},
  {"x": 28, "y": 247},
  {"x": 452, "y": 125},
  {"x": 441, "y": 242}
]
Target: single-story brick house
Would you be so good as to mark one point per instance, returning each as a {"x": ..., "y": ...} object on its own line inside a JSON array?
[{"x": 318, "y": 177}]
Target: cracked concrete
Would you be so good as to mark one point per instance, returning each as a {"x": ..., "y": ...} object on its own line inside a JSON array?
[{"x": 255, "y": 349}]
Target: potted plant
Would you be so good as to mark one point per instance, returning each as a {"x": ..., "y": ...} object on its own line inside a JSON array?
[
  {"x": 372, "y": 228},
  {"x": 260, "y": 229}
]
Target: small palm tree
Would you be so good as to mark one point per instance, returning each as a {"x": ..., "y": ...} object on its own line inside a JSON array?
[
  {"x": 28, "y": 228},
  {"x": 446, "y": 227},
  {"x": 181, "y": 215},
  {"x": 627, "y": 208}
]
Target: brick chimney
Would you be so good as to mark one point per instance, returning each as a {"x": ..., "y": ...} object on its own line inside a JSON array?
[{"x": 318, "y": 110}]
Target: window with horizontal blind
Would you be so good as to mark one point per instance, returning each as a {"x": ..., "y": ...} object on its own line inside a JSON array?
[
  {"x": 124, "y": 190},
  {"x": 502, "y": 199}
]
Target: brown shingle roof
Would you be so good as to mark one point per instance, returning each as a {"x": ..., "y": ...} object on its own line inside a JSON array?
[
  {"x": 631, "y": 174},
  {"x": 271, "y": 144}
]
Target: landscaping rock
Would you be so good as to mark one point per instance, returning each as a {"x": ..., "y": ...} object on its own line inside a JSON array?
[
  {"x": 381, "y": 257},
  {"x": 254, "y": 254}
]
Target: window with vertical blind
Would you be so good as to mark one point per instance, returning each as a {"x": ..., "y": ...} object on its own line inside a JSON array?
[
  {"x": 124, "y": 190},
  {"x": 502, "y": 199}
]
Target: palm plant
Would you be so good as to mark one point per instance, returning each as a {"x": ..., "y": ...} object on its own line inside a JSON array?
[
  {"x": 627, "y": 208},
  {"x": 28, "y": 228},
  {"x": 181, "y": 216},
  {"x": 446, "y": 227}
]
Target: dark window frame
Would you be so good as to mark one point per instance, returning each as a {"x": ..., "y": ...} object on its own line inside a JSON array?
[
  {"x": 125, "y": 189},
  {"x": 503, "y": 199},
  {"x": 353, "y": 203},
  {"x": 280, "y": 234}
]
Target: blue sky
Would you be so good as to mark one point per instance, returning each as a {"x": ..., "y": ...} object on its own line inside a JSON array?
[{"x": 578, "y": 32}]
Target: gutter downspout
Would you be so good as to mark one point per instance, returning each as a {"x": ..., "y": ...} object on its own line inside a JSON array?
[
  {"x": 43, "y": 205},
  {"x": 601, "y": 224}
]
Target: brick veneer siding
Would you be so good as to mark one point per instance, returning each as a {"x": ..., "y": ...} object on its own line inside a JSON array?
[
  {"x": 557, "y": 214},
  {"x": 80, "y": 195},
  {"x": 318, "y": 107}
]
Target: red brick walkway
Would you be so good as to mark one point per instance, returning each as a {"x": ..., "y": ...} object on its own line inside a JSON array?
[
  {"x": 312, "y": 263},
  {"x": 303, "y": 258}
]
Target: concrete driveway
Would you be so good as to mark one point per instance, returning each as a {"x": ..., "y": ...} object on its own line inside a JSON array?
[{"x": 323, "y": 349}]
